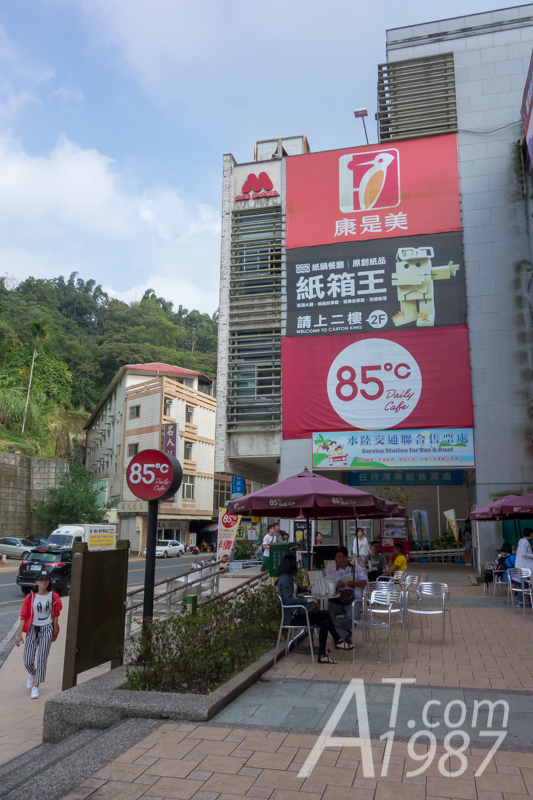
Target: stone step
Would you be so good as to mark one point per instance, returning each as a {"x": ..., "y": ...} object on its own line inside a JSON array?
[
  {"x": 26, "y": 766},
  {"x": 52, "y": 770}
]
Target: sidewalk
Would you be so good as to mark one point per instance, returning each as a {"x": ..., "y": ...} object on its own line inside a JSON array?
[
  {"x": 207, "y": 762},
  {"x": 257, "y": 745},
  {"x": 21, "y": 720}
]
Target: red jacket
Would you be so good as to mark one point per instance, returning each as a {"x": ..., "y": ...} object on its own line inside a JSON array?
[{"x": 27, "y": 609}]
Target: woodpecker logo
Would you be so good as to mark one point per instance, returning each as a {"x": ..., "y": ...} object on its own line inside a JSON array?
[
  {"x": 369, "y": 180},
  {"x": 257, "y": 186}
]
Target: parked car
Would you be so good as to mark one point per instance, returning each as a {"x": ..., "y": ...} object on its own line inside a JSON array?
[
  {"x": 16, "y": 548},
  {"x": 57, "y": 561},
  {"x": 164, "y": 549},
  {"x": 38, "y": 541}
]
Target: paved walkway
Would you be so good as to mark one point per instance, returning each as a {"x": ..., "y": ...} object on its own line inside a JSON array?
[
  {"x": 21, "y": 719},
  {"x": 256, "y": 747},
  {"x": 207, "y": 762}
]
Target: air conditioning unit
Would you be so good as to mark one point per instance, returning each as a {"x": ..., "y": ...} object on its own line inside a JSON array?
[{"x": 190, "y": 411}]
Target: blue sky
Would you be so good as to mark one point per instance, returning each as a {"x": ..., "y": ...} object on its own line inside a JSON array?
[{"x": 115, "y": 114}]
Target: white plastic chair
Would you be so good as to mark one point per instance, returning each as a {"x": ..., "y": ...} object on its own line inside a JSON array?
[
  {"x": 432, "y": 590},
  {"x": 291, "y": 627},
  {"x": 517, "y": 577}
]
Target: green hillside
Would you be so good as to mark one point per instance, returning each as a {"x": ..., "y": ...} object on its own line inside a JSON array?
[{"x": 80, "y": 337}]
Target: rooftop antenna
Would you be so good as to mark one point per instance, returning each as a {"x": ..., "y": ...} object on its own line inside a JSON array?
[{"x": 362, "y": 113}]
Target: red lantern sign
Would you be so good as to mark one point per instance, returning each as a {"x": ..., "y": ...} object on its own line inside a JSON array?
[{"x": 154, "y": 475}]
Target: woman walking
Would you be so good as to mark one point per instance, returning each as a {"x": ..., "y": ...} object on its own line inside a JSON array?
[{"x": 39, "y": 620}]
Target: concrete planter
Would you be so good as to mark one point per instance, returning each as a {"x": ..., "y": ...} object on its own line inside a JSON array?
[{"x": 100, "y": 703}]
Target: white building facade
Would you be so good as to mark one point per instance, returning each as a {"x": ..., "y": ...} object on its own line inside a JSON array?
[
  {"x": 141, "y": 403},
  {"x": 460, "y": 79}
]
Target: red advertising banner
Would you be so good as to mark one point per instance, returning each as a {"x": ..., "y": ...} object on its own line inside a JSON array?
[
  {"x": 527, "y": 106},
  {"x": 377, "y": 381},
  {"x": 373, "y": 192}
]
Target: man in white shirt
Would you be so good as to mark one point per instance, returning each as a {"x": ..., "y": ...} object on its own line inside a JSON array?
[
  {"x": 271, "y": 536},
  {"x": 347, "y": 576},
  {"x": 524, "y": 556}
]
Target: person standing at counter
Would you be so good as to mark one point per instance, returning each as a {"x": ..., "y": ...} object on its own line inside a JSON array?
[{"x": 360, "y": 546}]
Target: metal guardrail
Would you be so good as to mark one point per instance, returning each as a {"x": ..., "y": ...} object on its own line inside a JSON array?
[
  {"x": 243, "y": 587},
  {"x": 237, "y": 566},
  {"x": 437, "y": 555},
  {"x": 202, "y": 581}
]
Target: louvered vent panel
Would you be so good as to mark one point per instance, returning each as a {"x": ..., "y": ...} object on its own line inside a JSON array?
[{"x": 416, "y": 97}]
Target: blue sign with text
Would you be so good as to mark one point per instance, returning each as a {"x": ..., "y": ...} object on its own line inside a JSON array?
[
  {"x": 237, "y": 488},
  {"x": 415, "y": 477}
]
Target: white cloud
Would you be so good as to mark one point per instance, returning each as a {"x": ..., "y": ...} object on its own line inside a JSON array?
[
  {"x": 19, "y": 79},
  {"x": 69, "y": 95},
  {"x": 71, "y": 211}
]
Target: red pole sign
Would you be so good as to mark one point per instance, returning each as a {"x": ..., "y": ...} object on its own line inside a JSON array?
[{"x": 154, "y": 475}]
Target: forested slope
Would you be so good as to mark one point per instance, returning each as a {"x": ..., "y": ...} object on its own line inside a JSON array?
[{"x": 80, "y": 337}]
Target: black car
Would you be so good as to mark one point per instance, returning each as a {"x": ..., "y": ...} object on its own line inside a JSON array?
[{"x": 55, "y": 560}]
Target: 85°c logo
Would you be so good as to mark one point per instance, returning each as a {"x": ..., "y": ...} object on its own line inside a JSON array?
[
  {"x": 153, "y": 475},
  {"x": 374, "y": 384}
]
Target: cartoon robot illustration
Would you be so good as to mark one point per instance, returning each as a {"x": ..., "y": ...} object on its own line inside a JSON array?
[{"x": 414, "y": 278}]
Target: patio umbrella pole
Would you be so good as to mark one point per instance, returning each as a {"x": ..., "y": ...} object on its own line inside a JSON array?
[{"x": 308, "y": 543}]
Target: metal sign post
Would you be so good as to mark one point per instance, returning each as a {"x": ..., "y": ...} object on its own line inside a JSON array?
[{"x": 153, "y": 476}]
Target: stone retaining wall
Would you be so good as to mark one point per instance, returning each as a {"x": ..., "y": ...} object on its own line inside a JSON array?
[{"x": 24, "y": 481}]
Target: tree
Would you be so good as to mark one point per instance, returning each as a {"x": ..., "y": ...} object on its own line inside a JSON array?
[
  {"x": 40, "y": 334},
  {"x": 74, "y": 500}
]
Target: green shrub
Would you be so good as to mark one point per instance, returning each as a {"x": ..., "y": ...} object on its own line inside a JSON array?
[
  {"x": 196, "y": 653},
  {"x": 12, "y": 404}
]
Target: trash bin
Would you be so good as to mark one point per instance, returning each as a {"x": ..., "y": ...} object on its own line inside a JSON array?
[{"x": 277, "y": 552}]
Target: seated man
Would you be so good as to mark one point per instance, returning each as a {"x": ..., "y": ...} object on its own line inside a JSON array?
[
  {"x": 376, "y": 562},
  {"x": 398, "y": 562},
  {"x": 347, "y": 576}
]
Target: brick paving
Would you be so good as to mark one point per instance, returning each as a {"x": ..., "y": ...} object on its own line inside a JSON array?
[
  {"x": 205, "y": 762},
  {"x": 237, "y": 757}
]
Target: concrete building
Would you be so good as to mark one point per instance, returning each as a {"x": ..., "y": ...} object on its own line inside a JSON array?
[
  {"x": 463, "y": 76},
  {"x": 130, "y": 416}
]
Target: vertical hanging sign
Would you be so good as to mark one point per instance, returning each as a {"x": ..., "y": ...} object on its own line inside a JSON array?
[{"x": 170, "y": 446}]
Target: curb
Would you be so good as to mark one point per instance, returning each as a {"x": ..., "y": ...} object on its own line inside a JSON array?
[
  {"x": 8, "y": 642},
  {"x": 101, "y": 702}
]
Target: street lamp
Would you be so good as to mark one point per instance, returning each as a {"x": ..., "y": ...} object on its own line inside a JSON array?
[{"x": 362, "y": 113}]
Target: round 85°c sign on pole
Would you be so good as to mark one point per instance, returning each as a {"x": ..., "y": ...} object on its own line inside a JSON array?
[{"x": 154, "y": 475}]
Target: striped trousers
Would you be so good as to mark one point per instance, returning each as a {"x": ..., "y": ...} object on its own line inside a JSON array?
[{"x": 38, "y": 641}]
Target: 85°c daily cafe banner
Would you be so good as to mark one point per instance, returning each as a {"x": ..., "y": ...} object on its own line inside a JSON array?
[
  {"x": 228, "y": 526},
  {"x": 376, "y": 382}
]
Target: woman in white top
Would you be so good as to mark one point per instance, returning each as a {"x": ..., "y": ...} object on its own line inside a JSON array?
[{"x": 360, "y": 544}]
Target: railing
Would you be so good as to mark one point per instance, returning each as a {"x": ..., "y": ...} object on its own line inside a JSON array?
[
  {"x": 437, "y": 555},
  {"x": 237, "y": 566},
  {"x": 204, "y": 582},
  {"x": 245, "y": 586},
  {"x": 205, "y": 587}
]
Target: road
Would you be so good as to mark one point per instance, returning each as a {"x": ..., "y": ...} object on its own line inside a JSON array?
[{"x": 11, "y": 597}]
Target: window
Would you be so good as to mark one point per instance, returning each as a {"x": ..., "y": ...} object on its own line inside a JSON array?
[
  {"x": 119, "y": 449},
  {"x": 188, "y": 487},
  {"x": 188, "y": 450},
  {"x": 133, "y": 449},
  {"x": 135, "y": 412},
  {"x": 222, "y": 493},
  {"x": 189, "y": 412},
  {"x": 115, "y": 468}
]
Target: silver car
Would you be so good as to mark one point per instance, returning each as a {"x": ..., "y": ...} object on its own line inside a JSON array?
[
  {"x": 16, "y": 548},
  {"x": 167, "y": 549}
]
